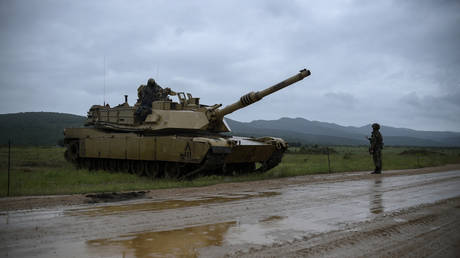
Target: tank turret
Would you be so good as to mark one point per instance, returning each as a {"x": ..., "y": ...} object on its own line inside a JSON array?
[{"x": 185, "y": 115}]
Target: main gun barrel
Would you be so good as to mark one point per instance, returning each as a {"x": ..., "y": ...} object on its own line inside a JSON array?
[{"x": 252, "y": 97}]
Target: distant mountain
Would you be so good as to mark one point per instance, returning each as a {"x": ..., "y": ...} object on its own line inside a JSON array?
[
  {"x": 266, "y": 128},
  {"x": 315, "y": 132},
  {"x": 36, "y": 128},
  {"x": 45, "y": 128}
]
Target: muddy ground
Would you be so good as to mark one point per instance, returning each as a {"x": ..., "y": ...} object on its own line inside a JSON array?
[{"x": 412, "y": 213}]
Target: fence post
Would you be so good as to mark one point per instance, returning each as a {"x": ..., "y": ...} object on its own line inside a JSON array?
[
  {"x": 328, "y": 160},
  {"x": 9, "y": 166}
]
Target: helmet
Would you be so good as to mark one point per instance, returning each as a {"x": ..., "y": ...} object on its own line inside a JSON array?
[
  {"x": 151, "y": 82},
  {"x": 375, "y": 126}
]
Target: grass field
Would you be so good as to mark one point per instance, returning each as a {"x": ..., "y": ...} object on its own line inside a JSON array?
[{"x": 43, "y": 170}]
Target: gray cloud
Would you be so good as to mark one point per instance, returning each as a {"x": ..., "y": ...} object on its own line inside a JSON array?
[
  {"x": 436, "y": 107},
  {"x": 396, "y": 62},
  {"x": 341, "y": 100}
]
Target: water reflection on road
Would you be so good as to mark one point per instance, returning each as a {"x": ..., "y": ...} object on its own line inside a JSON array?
[
  {"x": 375, "y": 201},
  {"x": 177, "y": 243}
]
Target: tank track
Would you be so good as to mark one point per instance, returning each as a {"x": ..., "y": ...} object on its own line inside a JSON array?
[{"x": 213, "y": 165}]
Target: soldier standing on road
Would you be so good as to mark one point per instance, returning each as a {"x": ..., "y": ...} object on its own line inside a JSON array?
[{"x": 376, "y": 147}]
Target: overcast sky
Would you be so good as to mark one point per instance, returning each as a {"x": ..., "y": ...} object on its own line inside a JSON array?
[{"x": 393, "y": 62}]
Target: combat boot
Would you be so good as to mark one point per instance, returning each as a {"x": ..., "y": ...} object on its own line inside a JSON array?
[{"x": 377, "y": 172}]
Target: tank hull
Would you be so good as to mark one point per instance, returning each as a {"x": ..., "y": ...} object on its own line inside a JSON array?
[{"x": 171, "y": 155}]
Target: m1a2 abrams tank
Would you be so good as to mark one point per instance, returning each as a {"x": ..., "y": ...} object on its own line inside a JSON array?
[{"x": 158, "y": 137}]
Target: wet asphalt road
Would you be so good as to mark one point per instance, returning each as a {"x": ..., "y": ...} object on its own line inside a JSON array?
[{"x": 216, "y": 224}]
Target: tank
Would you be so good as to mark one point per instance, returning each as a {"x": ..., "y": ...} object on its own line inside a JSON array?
[{"x": 162, "y": 138}]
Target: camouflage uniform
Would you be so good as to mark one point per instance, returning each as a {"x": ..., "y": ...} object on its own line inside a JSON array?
[
  {"x": 146, "y": 94},
  {"x": 376, "y": 147}
]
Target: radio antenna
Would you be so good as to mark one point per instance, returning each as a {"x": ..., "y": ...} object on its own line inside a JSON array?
[
  {"x": 104, "y": 80},
  {"x": 157, "y": 73}
]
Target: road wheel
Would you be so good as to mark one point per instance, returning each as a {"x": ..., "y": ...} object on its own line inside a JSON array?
[{"x": 72, "y": 151}]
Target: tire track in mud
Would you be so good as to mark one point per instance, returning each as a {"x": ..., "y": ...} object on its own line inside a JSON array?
[{"x": 422, "y": 231}]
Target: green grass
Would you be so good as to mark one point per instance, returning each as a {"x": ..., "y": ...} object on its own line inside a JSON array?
[
  {"x": 43, "y": 170},
  {"x": 358, "y": 159}
]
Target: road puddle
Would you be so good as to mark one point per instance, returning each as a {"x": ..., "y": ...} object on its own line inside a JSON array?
[
  {"x": 165, "y": 205},
  {"x": 173, "y": 243},
  {"x": 186, "y": 242}
]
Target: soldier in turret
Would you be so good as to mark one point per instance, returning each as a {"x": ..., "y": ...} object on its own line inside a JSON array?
[
  {"x": 146, "y": 94},
  {"x": 375, "y": 149}
]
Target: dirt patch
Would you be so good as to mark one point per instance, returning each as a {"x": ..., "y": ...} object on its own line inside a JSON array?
[{"x": 114, "y": 197}]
